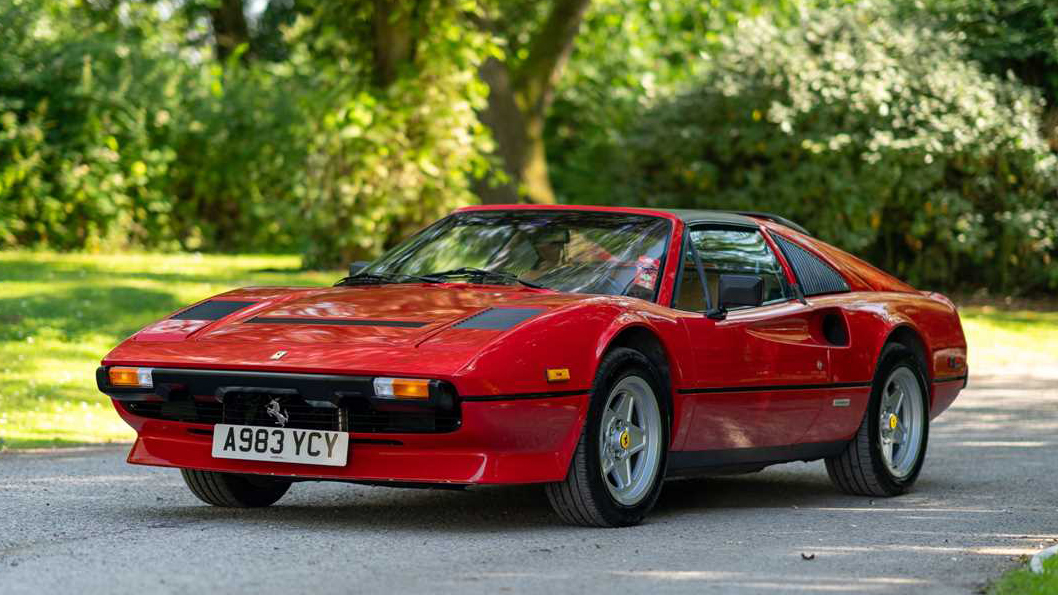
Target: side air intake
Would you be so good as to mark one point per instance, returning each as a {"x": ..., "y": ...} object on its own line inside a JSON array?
[{"x": 816, "y": 277}]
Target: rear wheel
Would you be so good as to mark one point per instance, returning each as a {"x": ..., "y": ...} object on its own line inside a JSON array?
[
  {"x": 886, "y": 456},
  {"x": 234, "y": 491},
  {"x": 616, "y": 473}
]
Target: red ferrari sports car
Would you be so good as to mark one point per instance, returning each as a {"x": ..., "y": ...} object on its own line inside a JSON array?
[{"x": 594, "y": 350}]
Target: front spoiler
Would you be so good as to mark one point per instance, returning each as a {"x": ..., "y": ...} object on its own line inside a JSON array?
[{"x": 500, "y": 442}]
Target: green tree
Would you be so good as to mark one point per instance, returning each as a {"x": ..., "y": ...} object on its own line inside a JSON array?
[
  {"x": 630, "y": 54},
  {"x": 521, "y": 87},
  {"x": 877, "y": 134},
  {"x": 1015, "y": 36},
  {"x": 394, "y": 141},
  {"x": 83, "y": 129}
]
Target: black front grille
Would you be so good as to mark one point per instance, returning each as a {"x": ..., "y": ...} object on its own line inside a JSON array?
[
  {"x": 252, "y": 409},
  {"x": 201, "y": 412},
  {"x": 305, "y": 401},
  {"x": 364, "y": 417}
]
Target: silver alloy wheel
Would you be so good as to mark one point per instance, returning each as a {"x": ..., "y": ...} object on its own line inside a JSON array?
[
  {"x": 901, "y": 422},
  {"x": 630, "y": 440}
]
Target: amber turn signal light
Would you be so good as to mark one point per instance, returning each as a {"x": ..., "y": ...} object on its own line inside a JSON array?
[
  {"x": 131, "y": 377},
  {"x": 557, "y": 374},
  {"x": 402, "y": 388}
]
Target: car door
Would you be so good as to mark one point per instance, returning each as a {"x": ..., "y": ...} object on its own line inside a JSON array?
[{"x": 757, "y": 370}]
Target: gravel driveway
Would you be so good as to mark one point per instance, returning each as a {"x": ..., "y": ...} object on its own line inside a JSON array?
[{"x": 85, "y": 522}]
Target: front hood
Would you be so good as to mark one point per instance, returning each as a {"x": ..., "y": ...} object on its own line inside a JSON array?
[
  {"x": 388, "y": 314},
  {"x": 368, "y": 329}
]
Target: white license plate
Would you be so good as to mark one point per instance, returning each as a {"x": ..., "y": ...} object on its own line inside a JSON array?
[{"x": 284, "y": 445}]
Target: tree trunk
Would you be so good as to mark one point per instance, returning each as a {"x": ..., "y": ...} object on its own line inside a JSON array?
[
  {"x": 518, "y": 102},
  {"x": 519, "y": 142},
  {"x": 229, "y": 29},
  {"x": 1050, "y": 127},
  {"x": 393, "y": 24}
]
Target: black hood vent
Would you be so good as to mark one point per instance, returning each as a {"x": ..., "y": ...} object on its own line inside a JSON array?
[
  {"x": 211, "y": 310},
  {"x": 498, "y": 319},
  {"x": 336, "y": 321}
]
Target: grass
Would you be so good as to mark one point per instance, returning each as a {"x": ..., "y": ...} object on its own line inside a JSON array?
[
  {"x": 61, "y": 313},
  {"x": 1024, "y": 582},
  {"x": 997, "y": 337}
]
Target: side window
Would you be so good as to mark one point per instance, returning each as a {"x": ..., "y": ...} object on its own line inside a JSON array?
[
  {"x": 689, "y": 293},
  {"x": 740, "y": 252}
]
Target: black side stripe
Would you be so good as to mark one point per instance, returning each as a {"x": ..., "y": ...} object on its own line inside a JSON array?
[
  {"x": 746, "y": 389},
  {"x": 520, "y": 396},
  {"x": 337, "y": 322},
  {"x": 949, "y": 378}
]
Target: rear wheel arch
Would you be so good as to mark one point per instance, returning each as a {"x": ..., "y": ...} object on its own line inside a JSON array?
[{"x": 911, "y": 339}]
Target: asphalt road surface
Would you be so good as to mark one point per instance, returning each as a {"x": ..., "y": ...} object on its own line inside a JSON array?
[{"x": 85, "y": 522}]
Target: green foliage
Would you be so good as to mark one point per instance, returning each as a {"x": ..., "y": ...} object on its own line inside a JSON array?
[
  {"x": 1026, "y": 582},
  {"x": 119, "y": 128},
  {"x": 876, "y": 134},
  {"x": 115, "y": 135},
  {"x": 1017, "y": 37},
  {"x": 79, "y": 125},
  {"x": 241, "y": 153},
  {"x": 629, "y": 54},
  {"x": 110, "y": 140},
  {"x": 1020, "y": 36},
  {"x": 386, "y": 159}
]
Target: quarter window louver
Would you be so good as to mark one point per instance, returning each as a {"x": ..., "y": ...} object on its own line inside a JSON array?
[{"x": 815, "y": 276}]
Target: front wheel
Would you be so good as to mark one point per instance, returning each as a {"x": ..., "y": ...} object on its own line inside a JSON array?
[
  {"x": 885, "y": 457},
  {"x": 616, "y": 473},
  {"x": 234, "y": 491}
]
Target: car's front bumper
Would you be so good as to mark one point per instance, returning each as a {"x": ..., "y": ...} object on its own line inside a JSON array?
[{"x": 499, "y": 441}]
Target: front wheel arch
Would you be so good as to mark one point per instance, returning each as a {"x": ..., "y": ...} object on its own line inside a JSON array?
[{"x": 649, "y": 344}]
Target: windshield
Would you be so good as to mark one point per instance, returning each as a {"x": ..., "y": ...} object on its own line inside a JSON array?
[{"x": 572, "y": 251}]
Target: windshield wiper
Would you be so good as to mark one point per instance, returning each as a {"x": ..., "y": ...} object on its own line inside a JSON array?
[
  {"x": 380, "y": 279},
  {"x": 476, "y": 272}
]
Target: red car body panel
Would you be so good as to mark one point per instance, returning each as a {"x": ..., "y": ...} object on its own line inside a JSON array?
[
  {"x": 760, "y": 380},
  {"x": 523, "y": 441}
]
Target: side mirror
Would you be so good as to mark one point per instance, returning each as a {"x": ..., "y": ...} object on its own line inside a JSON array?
[
  {"x": 740, "y": 290},
  {"x": 356, "y": 267}
]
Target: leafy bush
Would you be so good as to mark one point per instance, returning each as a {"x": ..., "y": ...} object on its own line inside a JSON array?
[
  {"x": 386, "y": 159},
  {"x": 1016, "y": 36},
  {"x": 80, "y": 164},
  {"x": 627, "y": 55},
  {"x": 241, "y": 151},
  {"x": 878, "y": 135},
  {"x": 1004, "y": 35},
  {"x": 116, "y": 134}
]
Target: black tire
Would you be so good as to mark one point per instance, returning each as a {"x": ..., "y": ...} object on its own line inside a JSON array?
[
  {"x": 860, "y": 469},
  {"x": 230, "y": 490},
  {"x": 583, "y": 498}
]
